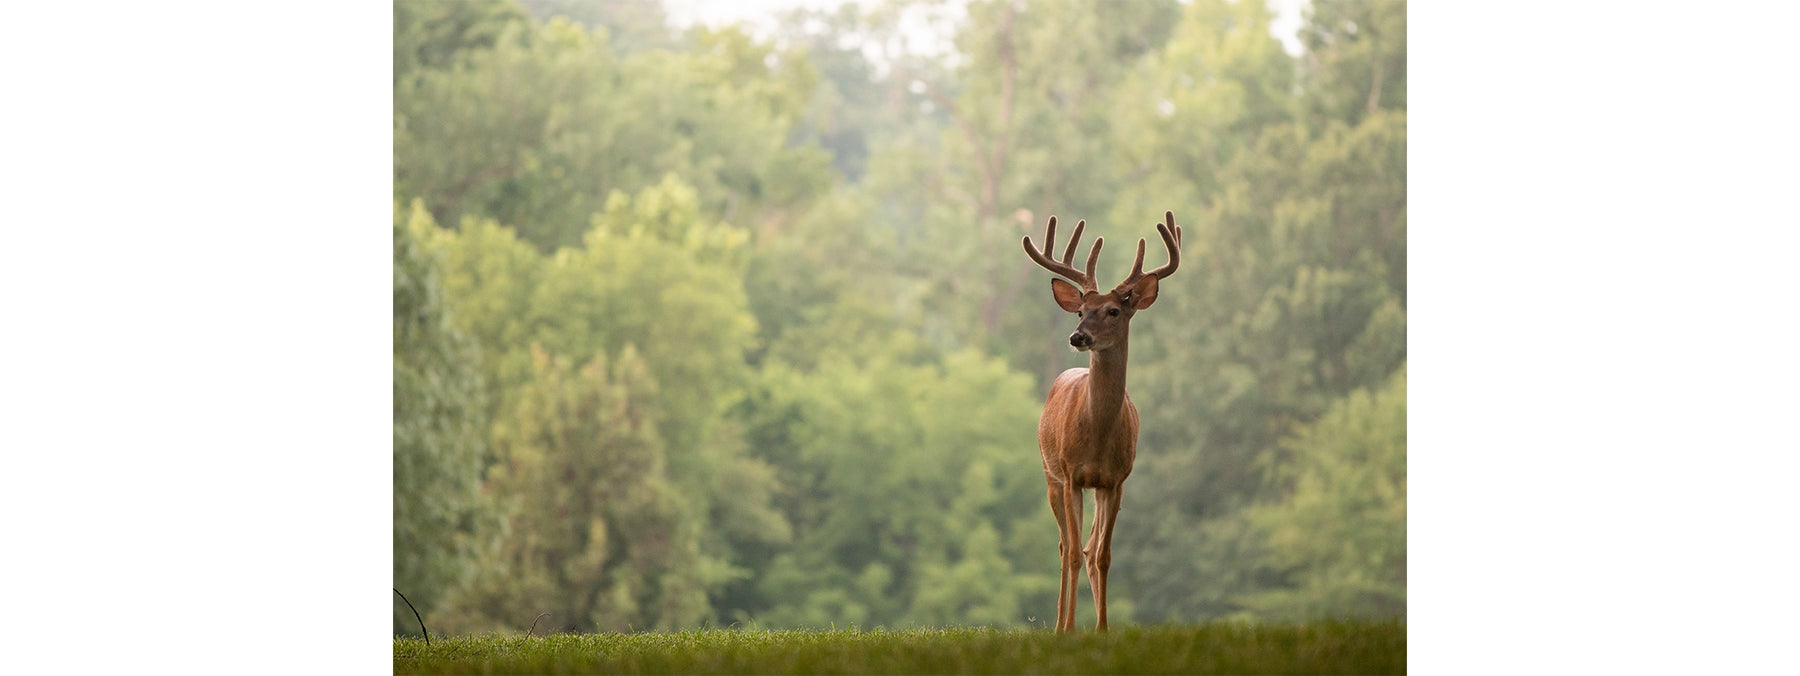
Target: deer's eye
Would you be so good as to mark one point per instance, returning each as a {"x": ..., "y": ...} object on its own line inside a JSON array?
[{"x": 1112, "y": 312}]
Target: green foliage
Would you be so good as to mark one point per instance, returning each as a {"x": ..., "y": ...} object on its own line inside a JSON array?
[
  {"x": 1332, "y": 648},
  {"x": 599, "y": 536},
  {"x": 655, "y": 291},
  {"x": 911, "y": 489},
  {"x": 1196, "y": 104},
  {"x": 1292, "y": 293},
  {"x": 434, "y": 34},
  {"x": 631, "y": 25},
  {"x": 737, "y": 331},
  {"x": 540, "y": 128},
  {"x": 441, "y": 520},
  {"x": 1341, "y": 527},
  {"x": 651, "y": 274},
  {"x": 1358, "y": 50},
  {"x": 1020, "y": 132},
  {"x": 851, "y": 106}
]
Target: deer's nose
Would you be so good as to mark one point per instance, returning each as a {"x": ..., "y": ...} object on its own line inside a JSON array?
[{"x": 1080, "y": 340}]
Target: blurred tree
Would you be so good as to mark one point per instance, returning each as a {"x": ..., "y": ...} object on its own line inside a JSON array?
[
  {"x": 1291, "y": 295},
  {"x": 434, "y": 34},
  {"x": 1356, "y": 52},
  {"x": 631, "y": 25},
  {"x": 907, "y": 490},
  {"x": 655, "y": 280},
  {"x": 441, "y": 519},
  {"x": 1025, "y": 132},
  {"x": 852, "y": 103},
  {"x": 1193, "y": 106},
  {"x": 599, "y": 537},
  {"x": 509, "y": 133},
  {"x": 651, "y": 273},
  {"x": 536, "y": 132},
  {"x": 488, "y": 275},
  {"x": 1339, "y": 527}
]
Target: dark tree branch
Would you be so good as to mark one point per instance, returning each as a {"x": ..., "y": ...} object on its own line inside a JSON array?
[
  {"x": 422, "y": 629},
  {"x": 534, "y": 622}
]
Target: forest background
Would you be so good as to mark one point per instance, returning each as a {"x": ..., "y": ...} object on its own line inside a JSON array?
[
  {"x": 693, "y": 328},
  {"x": 200, "y": 358}
]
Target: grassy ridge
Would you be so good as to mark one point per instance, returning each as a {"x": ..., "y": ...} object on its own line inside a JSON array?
[{"x": 1335, "y": 648}]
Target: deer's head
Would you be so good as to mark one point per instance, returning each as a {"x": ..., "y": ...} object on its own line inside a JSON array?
[{"x": 1105, "y": 317}]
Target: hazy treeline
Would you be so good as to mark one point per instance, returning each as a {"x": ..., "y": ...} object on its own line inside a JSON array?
[{"x": 692, "y": 328}]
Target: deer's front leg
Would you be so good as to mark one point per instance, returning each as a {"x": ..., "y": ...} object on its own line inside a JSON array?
[
  {"x": 1068, "y": 521},
  {"x": 1062, "y": 552}
]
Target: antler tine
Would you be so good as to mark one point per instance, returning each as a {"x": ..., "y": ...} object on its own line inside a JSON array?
[
  {"x": 1137, "y": 265},
  {"x": 1171, "y": 237},
  {"x": 1069, "y": 253},
  {"x": 1169, "y": 217},
  {"x": 1064, "y": 268},
  {"x": 1093, "y": 256}
]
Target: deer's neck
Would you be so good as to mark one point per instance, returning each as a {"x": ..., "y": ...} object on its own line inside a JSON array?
[{"x": 1106, "y": 385}]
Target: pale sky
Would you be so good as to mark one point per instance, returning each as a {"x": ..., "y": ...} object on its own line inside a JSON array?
[{"x": 760, "y": 13}]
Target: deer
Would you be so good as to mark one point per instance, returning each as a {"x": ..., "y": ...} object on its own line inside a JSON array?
[{"x": 1088, "y": 433}]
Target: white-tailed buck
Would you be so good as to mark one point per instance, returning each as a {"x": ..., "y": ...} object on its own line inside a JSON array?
[{"x": 1088, "y": 435}]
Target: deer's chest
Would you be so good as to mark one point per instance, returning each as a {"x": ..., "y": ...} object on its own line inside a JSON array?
[
  {"x": 1088, "y": 439},
  {"x": 1103, "y": 469}
]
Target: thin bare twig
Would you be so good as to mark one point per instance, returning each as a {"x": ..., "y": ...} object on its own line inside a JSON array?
[
  {"x": 422, "y": 629},
  {"x": 534, "y": 622}
]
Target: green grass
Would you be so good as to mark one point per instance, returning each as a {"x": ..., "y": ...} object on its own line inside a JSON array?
[{"x": 1325, "y": 648}]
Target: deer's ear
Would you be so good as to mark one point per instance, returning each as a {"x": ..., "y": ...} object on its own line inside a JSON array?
[
  {"x": 1068, "y": 296},
  {"x": 1144, "y": 292}
]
